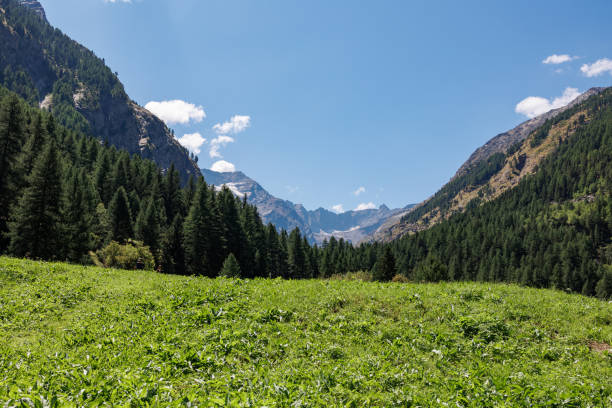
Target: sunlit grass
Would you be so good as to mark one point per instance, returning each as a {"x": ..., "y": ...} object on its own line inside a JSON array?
[{"x": 86, "y": 336}]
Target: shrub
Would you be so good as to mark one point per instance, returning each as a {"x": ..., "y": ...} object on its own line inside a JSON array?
[
  {"x": 400, "y": 279},
  {"x": 115, "y": 255}
]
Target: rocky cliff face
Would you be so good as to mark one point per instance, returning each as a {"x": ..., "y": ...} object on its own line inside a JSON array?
[
  {"x": 318, "y": 225},
  {"x": 35, "y": 6},
  {"x": 48, "y": 68}
]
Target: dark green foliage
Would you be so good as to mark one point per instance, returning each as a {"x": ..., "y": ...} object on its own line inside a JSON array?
[
  {"x": 11, "y": 133},
  {"x": 121, "y": 216},
  {"x": 385, "y": 269},
  {"x": 78, "y": 216},
  {"x": 35, "y": 230},
  {"x": 173, "y": 253},
  {"x": 603, "y": 289},
  {"x": 430, "y": 270},
  {"x": 196, "y": 234},
  {"x": 297, "y": 256},
  {"x": 148, "y": 225},
  {"x": 230, "y": 269}
]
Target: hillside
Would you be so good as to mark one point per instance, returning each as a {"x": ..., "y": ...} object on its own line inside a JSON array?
[
  {"x": 540, "y": 215},
  {"x": 318, "y": 225},
  {"x": 50, "y": 70},
  {"x": 492, "y": 169},
  {"x": 132, "y": 338}
]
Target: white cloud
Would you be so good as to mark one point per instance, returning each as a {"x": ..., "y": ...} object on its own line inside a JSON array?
[
  {"x": 338, "y": 208},
  {"x": 222, "y": 166},
  {"x": 558, "y": 59},
  {"x": 176, "y": 111},
  {"x": 217, "y": 143},
  {"x": 597, "y": 68},
  {"x": 292, "y": 189},
  {"x": 117, "y": 1},
  {"x": 359, "y": 191},
  {"x": 192, "y": 141},
  {"x": 365, "y": 206},
  {"x": 535, "y": 105},
  {"x": 237, "y": 124}
]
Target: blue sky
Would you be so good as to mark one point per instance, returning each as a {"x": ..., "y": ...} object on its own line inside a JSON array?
[{"x": 344, "y": 103}]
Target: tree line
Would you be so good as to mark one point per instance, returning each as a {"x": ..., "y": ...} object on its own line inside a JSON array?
[{"x": 66, "y": 196}]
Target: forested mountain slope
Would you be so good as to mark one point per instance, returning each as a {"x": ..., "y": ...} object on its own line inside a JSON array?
[
  {"x": 49, "y": 69},
  {"x": 540, "y": 215},
  {"x": 493, "y": 168}
]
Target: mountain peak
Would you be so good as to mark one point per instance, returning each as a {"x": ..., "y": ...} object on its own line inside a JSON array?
[{"x": 35, "y": 6}]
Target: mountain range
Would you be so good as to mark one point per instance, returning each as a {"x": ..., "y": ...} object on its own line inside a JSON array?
[
  {"x": 52, "y": 71},
  {"x": 317, "y": 225}
]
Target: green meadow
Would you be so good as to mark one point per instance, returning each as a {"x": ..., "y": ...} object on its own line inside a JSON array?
[{"x": 86, "y": 336}]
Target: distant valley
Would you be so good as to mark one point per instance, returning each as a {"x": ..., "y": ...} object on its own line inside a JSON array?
[{"x": 317, "y": 225}]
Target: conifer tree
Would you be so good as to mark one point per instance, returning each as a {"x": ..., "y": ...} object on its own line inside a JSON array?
[
  {"x": 196, "y": 232},
  {"x": 231, "y": 268},
  {"x": 173, "y": 253},
  {"x": 148, "y": 228},
  {"x": 102, "y": 176},
  {"x": 385, "y": 269},
  {"x": 35, "y": 230},
  {"x": 297, "y": 257},
  {"x": 77, "y": 217},
  {"x": 11, "y": 129},
  {"x": 120, "y": 217},
  {"x": 172, "y": 193}
]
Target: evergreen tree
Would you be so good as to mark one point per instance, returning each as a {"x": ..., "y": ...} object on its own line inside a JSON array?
[
  {"x": 36, "y": 141},
  {"x": 120, "y": 217},
  {"x": 604, "y": 286},
  {"x": 102, "y": 176},
  {"x": 77, "y": 217},
  {"x": 196, "y": 232},
  {"x": 172, "y": 193},
  {"x": 385, "y": 269},
  {"x": 35, "y": 231},
  {"x": 11, "y": 129},
  {"x": 173, "y": 253},
  {"x": 230, "y": 269},
  {"x": 297, "y": 257},
  {"x": 148, "y": 228}
]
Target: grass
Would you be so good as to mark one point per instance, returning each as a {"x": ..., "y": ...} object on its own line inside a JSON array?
[{"x": 85, "y": 336}]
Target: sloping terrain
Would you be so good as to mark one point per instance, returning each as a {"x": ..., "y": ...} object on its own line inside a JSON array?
[
  {"x": 318, "y": 225},
  {"x": 50, "y": 70},
  {"x": 539, "y": 215},
  {"x": 76, "y": 336},
  {"x": 493, "y": 169}
]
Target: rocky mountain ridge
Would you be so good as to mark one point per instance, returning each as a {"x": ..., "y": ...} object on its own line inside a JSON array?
[
  {"x": 49, "y": 69},
  {"x": 35, "y": 6},
  {"x": 491, "y": 170},
  {"x": 503, "y": 141},
  {"x": 317, "y": 225}
]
